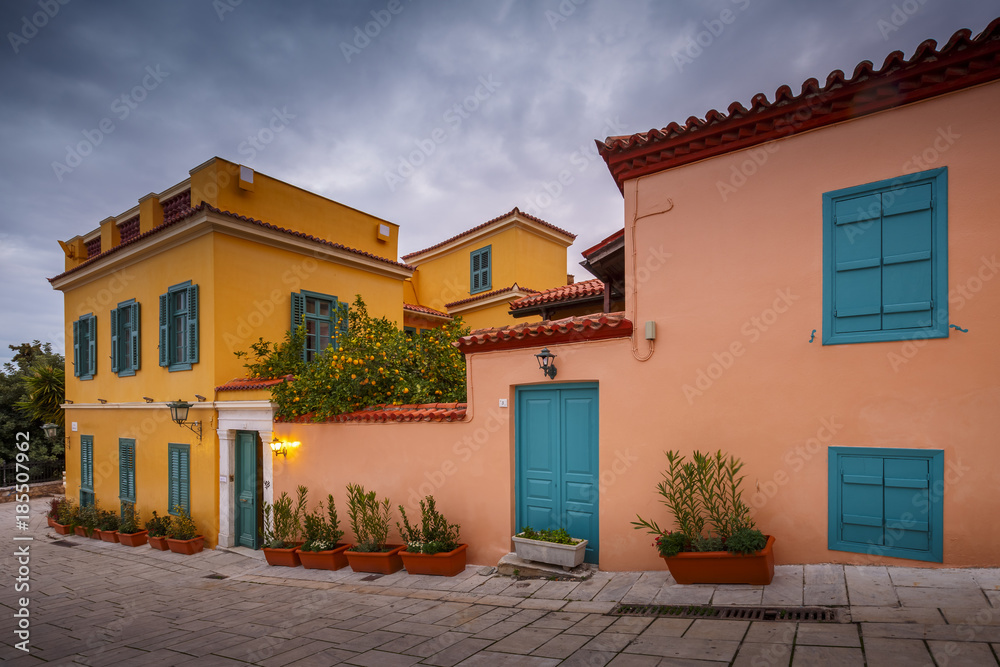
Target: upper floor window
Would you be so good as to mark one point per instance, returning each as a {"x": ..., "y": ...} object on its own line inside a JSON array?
[
  {"x": 481, "y": 278},
  {"x": 85, "y": 346},
  {"x": 885, "y": 260},
  {"x": 324, "y": 317},
  {"x": 125, "y": 338},
  {"x": 179, "y": 327}
]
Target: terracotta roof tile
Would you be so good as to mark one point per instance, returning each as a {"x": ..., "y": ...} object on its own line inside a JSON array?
[
  {"x": 961, "y": 63},
  {"x": 424, "y": 310},
  {"x": 380, "y": 414},
  {"x": 239, "y": 384},
  {"x": 547, "y": 332},
  {"x": 180, "y": 215},
  {"x": 582, "y": 289},
  {"x": 594, "y": 248},
  {"x": 485, "y": 295},
  {"x": 487, "y": 224}
]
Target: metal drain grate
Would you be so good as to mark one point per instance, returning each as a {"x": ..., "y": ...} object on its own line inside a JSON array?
[
  {"x": 216, "y": 576},
  {"x": 372, "y": 577},
  {"x": 800, "y": 614},
  {"x": 64, "y": 543}
]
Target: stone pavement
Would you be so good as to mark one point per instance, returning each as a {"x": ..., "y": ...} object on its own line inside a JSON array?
[{"x": 98, "y": 603}]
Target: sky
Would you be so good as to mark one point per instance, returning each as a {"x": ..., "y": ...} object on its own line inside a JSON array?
[{"x": 435, "y": 115}]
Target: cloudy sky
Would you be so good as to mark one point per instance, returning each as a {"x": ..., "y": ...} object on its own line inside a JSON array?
[{"x": 436, "y": 115}]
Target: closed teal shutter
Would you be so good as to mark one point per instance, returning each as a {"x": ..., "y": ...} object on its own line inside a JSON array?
[
  {"x": 298, "y": 309},
  {"x": 475, "y": 270},
  {"x": 86, "y": 470},
  {"x": 907, "y": 503},
  {"x": 862, "y": 513},
  {"x": 179, "y": 485},
  {"x": 134, "y": 335},
  {"x": 126, "y": 470},
  {"x": 480, "y": 278},
  {"x": 76, "y": 348},
  {"x": 907, "y": 245},
  {"x": 858, "y": 264},
  {"x": 91, "y": 324},
  {"x": 192, "y": 325},
  {"x": 114, "y": 340},
  {"x": 164, "y": 329}
]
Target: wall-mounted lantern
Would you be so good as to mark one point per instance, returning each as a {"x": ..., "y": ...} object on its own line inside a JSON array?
[
  {"x": 179, "y": 414},
  {"x": 546, "y": 361}
]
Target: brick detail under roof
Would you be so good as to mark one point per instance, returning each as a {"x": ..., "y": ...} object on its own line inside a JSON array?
[
  {"x": 94, "y": 247},
  {"x": 424, "y": 310},
  {"x": 962, "y": 63},
  {"x": 547, "y": 332},
  {"x": 243, "y": 384},
  {"x": 129, "y": 229},
  {"x": 176, "y": 207},
  {"x": 582, "y": 289},
  {"x": 380, "y": 414}
]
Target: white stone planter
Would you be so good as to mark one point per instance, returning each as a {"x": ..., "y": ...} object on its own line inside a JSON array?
[{"x": 566, "y": 555}]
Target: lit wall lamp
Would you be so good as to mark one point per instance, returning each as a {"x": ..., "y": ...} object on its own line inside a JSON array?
[
  {"x": 546, "y": 361},
  {"x": 179, "y": 414},
  {"x": 282, "y": 447}
]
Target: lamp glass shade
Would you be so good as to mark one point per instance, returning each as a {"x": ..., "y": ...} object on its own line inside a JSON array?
[
  {"x": 179, "y": 411},
  {"x": 51, "y": 430}
]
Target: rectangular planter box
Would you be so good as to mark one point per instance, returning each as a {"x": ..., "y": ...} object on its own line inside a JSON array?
[
  {"x": 186, "y": 547},
  {"x": 384, "y": 562},
  {"x": 287, "y": 557},
  {"x": 159, "y": 543},
  {"x": 721, "y": 567},
  {"x": 566, "y": 555},
  {"x": 334, "y": 559},
  {"x": 63, "y": 530},
  {"x": 446, "y": 564},
  {"x": 133, "y": 539},
  {"x": 109, "y": 535}
]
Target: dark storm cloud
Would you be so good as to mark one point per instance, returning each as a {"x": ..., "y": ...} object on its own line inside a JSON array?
[{"x": 435, "y": 115}]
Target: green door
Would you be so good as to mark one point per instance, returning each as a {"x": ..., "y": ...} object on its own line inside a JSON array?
[
  {"x": 556, "y": 454},
  {"x": 247, "y": 488}
]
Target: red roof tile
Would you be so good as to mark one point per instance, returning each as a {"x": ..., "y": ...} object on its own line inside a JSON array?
[
  {"x": 380, "y": 414},
  {"x": 547, "y": 332},
  {"x": 424, "y": 310},
  {"x": 240, "y": 384},
  {"x": 487, "y": 224},
  {"x": 963, "y": 62},
  {"x": 485, "y": 295},
  {"x": 187, "y": 213},
  {"x": 594, "y": 248},
  {"x": 582, "y": 289}
]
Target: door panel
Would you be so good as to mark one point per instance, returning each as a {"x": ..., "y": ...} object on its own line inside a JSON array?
[{"x": 247, "y": 484}]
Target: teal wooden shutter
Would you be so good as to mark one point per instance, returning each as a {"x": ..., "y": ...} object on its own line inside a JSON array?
[
  {"x": 134, "y": 335},
  {"x": 192, "y": 325},
  {"x": 475, "y": 272},
  {"x": 858, "y": 264},
  {"x": 165, "y": 329},
  {"x": 126, "y": 470},
  {"x": 91, "y": 323},
  {"x": 861, "y": 513},
  {"x": 907, "y": 503},
  {"x": 907, "y": 245},
  {"x": 76, "y": 348},
  {"x": 480, "y": 278},
  {"x": 298, "y": 309},
  {"x": 484, "y": 269},
  {"x": 86, "y": 470},
  {"x": 114, "y": 340},
  {"x": 179, "y": 485}
]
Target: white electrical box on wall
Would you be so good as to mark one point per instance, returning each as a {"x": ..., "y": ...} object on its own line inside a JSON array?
[
  {"x": 650, "y": 330},
  {"x": 73, "y": 426},
  {"x": 503, "y": 402}
]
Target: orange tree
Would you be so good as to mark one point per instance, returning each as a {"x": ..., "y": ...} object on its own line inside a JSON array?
[{"x": 373, "y": 363}]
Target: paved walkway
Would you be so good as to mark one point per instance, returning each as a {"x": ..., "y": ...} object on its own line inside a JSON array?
[{"x": 99, "y": 604}]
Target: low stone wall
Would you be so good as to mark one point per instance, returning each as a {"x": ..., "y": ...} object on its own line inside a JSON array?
[{"x": 56, "y": 488}]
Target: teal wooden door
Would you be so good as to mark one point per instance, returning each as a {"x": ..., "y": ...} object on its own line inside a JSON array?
[
  {"x": 556, "y": 456},
  {"x": 247, "y": 489}
]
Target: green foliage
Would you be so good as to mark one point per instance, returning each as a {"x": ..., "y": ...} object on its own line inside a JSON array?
[
  {"x": 46, "y": 385},
  {"x": 107, "y": 520},
  {"x": 703, "y": 491},
  {"x": 375, "y": 362},
  {"x": 369, "y": 519},
  {"x": 159, "y": 525},
  {"x": 88, "y": 517},
  {"x": 283, "y": 519},
  {"x": 129, "y": 522},
  {"x": 434, "y": 535},
  {"x": 746, "y": 541},
  {"x": 69, "y": 512},
  {"x": 15, "y": 399},
  {"x": 182, "y": 527},
  {"x": 671, "y": 544},
  {"x": 321, "y": 531},
  {"x": 54, "y": 505},
  {"x": 557, "y": 535}
]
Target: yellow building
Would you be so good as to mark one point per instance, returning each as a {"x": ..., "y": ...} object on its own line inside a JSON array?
[{"x": 159, "y": 298}]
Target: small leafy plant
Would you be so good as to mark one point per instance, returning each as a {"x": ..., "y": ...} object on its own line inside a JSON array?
[
  {"x": 746, "y": 541},
  {"x": 88, "y": 516},
  {"x": 283, "y": 520},
  {"x": 129, "y": 521},
  {"x": 433, "y": 535},
  {"x": 69, "y": 512},
  {"x": 54, "y": 505},
  {"x": 159, "y": 525},
  {"x": 107, "y": 520},
  {"x": 369, "y": 518},
  {"x": 322, "y": 530},
  {"x": 556, "y": 535},
  {"x": 182, "y": 527}
]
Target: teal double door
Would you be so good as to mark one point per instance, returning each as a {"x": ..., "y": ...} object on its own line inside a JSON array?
[
  {"x": 557, "y": 475},
  {"x": 248, "y": 491}
]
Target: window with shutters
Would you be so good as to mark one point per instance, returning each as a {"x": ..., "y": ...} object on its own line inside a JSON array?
[
  {"x": 126, "y": 470},
  {"x": 179, "y": 327},
  {"x": 85, "y": 347},
  {"x": 885, "y": 260},
  {"x": 179, "y": 470},
  {"x": 125, "y": 338},
  {"x": 887, "y": 502},
  {"x": 481, "y": 275},
  {"x": 324, "y": 317},
  {"x": 86, "y": 470}
]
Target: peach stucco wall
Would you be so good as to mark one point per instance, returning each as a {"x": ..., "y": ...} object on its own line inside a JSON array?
[{"x": 733, "y": 279}]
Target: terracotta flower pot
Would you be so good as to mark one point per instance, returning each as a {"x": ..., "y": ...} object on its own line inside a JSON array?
[
  {"x": 95, "y": 534},
  {"x": 133, "y": 539},
  {"x": 379, "y": 562},
  {"x": 333, "y": 559},
  {"x": 186, "y": 547},
  {"x": 722, "y": 567},
  {"x": 62, "y": 530},
  {"x": 109, "y": 536},
  {"x": 50, "y": 521},
  {"x": 286, "y": 557},
  {"x": 159, "y": 543},
  {"x": 80, "y": 530},
  {"x": 446, "y": 564}
]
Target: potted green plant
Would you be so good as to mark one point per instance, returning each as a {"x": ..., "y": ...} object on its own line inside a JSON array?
[
  {"x": 706, "y": 492},
  {"x": 182, "y": 535},
  {"x": 322, "y": 549},
  {"x": 130, "y": 532},
  {"x": 156, "y": 531},
  {"x": 52, "y": 516},
  {"x": 86, "y": 521},
  {"x": 370, "y": 520},
  {"x": 66, "y": 517},
  {"x": 281, "y": 529},
  {"x": 432, "y": 547},
  {"x": 107, "y": 525},
  {"x": 554, "y": 546}
]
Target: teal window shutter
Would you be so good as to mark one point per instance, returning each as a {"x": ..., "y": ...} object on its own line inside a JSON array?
[
  {"x": 91, "y": 345},
  {"x": 192, "y": 325},
  {"x": 76, "y": 348},
  {"x": 298, "y": 309},
  {"x": 114, "y": 341},
  {"x": 907, "y": 258},
  {"x": 165, "y": 329},
  {"x": 134, "y": 335},
  {"x": 126, "y": 470},
  {"x": 179, "y": 485},
  {"x": 86, "y": 470},
  {"x": 480, "y": 279},
  {"x": 324, "y": 317}
]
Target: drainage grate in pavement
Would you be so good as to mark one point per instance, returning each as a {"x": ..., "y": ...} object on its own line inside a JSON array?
[
  {"x": 64, "y": 543},
  {"x": 216, "y": 576},
  {"x": 800, "y": 614},
  {"x": 372, "y": 577}
]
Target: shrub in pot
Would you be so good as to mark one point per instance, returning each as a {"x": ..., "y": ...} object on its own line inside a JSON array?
[
  {"x": 706, "y": 492},
  {"x": 370, "y": 520},
  {"x": 66, "y": 517},
  {"x": 107, "y": 524},
  {"x": 52, "y": 516},
  {"x": 157, "y": 528},
  {"x": 87, "y": 521},
  {"x": 554, "y": 546},
  {"x": 322, "y": 549},
  {"x": 282, "y": 528},
  {"x": 432, "y": 546},
  {"x": 130, "y": 532},
  {"x": 182, "y": 535}
]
